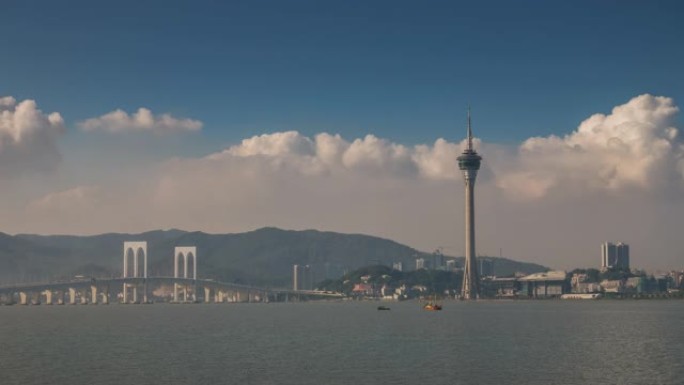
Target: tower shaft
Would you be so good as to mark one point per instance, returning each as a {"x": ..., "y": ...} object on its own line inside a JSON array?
[{"x": 471, "y": 280}]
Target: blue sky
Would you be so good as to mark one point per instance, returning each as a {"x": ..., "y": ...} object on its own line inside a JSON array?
[
  {"x": 211, "y": 76},
  {"x": 404, "y": 70}
]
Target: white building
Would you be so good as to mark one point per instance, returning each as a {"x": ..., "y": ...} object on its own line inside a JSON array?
[{"x": 398, "y": 266}]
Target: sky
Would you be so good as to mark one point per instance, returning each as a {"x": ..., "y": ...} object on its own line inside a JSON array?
[{"x": 348, "y": 116}]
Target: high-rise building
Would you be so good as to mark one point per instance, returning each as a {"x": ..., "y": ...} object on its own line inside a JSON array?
[
  {"x": 622, "y": 255},
  {"x": 421, "y": 263},
  {"x": 438, "y": 260},
  {"x": 302, "y": 277},
  {"x": 614, "y": 256},
  {"x": 469, "y": 163},
  {"x": 486, "y": 267}
]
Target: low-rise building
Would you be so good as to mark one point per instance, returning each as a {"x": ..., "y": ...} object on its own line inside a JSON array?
[
  {"x": 543, "y": 285},
  {"x": 612, "y": 286}
]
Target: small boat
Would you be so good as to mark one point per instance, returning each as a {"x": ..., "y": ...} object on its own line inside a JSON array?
[
  {"x": 432, "y": 306},
  {"x": 383, "y": 308}
]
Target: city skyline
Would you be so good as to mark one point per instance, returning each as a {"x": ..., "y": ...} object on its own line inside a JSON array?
[{"x": 250, "y": 120}]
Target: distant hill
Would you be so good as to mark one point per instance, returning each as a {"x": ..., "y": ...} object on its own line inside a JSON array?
[{"x": 262, "y": 257}]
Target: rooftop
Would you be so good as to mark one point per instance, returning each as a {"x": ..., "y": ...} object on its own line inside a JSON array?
[{"x": 553, "y": 275}]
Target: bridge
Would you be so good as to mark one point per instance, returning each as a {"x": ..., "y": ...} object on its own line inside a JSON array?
[{"x": 134, "y": 285}]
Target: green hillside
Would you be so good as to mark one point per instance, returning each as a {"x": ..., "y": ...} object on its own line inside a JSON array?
[{"x": 262, "y": 257}]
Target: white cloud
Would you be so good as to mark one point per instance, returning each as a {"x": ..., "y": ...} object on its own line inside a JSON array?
[
  {"x": 572, "y": 192},
  {"x": 77, "y": 198},
  {"x": 28, "y": 137},
  {"x": 325, "y": 153},
  {"x": 143, "y": 120},
  {"x": 636, "y": 146}
]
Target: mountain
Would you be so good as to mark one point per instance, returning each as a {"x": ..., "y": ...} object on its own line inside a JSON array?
[{"x": 262, "y": 257}]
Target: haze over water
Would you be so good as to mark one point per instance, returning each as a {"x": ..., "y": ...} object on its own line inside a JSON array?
[{"x": 522, "y": 342}]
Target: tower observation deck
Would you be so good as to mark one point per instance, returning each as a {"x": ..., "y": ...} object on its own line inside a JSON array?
[{"x": 469, "y": 163}]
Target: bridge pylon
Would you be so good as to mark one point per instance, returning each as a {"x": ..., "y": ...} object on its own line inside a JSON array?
[
  {"x": 183, "y": 254},
  {"x": 134, "y": 250}
]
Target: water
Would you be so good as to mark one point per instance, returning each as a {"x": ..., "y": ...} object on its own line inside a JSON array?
[{"x": 517, "y": 342}]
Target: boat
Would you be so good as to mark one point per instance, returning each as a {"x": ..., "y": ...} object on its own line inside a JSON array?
[
  {"x": 383, "y": 308},
  {"x": 432, "y": 305}
]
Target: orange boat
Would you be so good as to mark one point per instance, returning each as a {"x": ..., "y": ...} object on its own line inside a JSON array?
[{"x": 432, "y": 306}]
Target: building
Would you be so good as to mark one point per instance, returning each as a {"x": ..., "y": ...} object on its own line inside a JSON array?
[
  {"x": 469, "y": 163},
  {"x": 437, "y": 260},
  {"x": 614, "y": 256},
  {"x": 302, "y": 277},
  {"x": 486, "y": 267},
  {"x": 540, "y": 285},
  {"x": 499, "y": 287},
  {"x": 451, "y": 265},
  {"x": 398, "y": 266},
  {"x": 579, "y": 284},
  {"x": 421, "y": 263},
  {"x": 613, "y": 286}
]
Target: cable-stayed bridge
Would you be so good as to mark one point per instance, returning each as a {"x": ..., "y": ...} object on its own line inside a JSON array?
[{"x": 136, "y": 287}]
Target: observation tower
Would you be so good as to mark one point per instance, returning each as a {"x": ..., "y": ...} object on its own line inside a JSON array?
[{"x": 469, "y": 163}]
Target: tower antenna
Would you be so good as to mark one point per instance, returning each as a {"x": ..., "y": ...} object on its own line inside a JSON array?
[{"x": 470, "y": 132}]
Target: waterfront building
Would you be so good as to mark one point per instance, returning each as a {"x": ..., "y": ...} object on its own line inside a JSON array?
[
  {"x": 540, "y": 285},
  {"x": 635, "y": 285},
  {"x": 499, "y": 287},
  {"x": 579, "y": 284},
  {"x": 613, "y": 286},
  {"x": 677, "y": 279},
  {"x": 469, "y": 164}
]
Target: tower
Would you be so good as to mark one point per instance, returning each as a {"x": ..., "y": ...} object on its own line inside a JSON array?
[{"x": 469, "y": 163}]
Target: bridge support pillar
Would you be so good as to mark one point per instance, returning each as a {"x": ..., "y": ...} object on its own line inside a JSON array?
[
  {"x": 175, "y": 292},
  {"x": 48, "y": 297},
  {"x": 207, "y": 294},
  {"x": 105, "y": 298},
  {"x": 72, "y": 296},
  {"x": 93, "y": 295},
  {"x": 84, "y": 296},
  {"x": 23, "y": 298}
]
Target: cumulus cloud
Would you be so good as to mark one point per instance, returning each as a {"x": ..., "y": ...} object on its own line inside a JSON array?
[
  {"x": 28, "y": 137},
  {"x": 326, "y": 153},
  {"x": 143, "y": 120},
  {"x": 572, "y": 192},
  {"x": 78, "y": 197},
  {"x": 636, "y": 146}
]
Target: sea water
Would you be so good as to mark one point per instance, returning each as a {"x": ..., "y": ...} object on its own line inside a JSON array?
[{"x": 484, "y": 342}]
